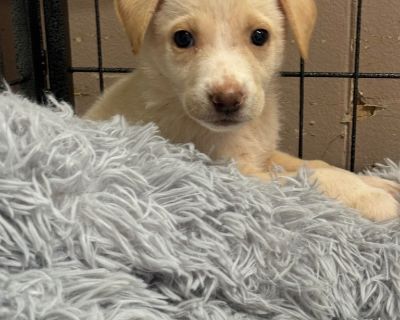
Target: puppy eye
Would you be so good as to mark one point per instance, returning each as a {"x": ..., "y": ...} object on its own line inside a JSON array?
[
  {"x": 259, "y": 37},
  {"x": 183, "y": 39}
]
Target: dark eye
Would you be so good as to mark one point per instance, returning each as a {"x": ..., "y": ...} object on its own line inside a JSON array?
[
  {"x": 183, "y": 39},
  {"x": 259, "y": 37}
]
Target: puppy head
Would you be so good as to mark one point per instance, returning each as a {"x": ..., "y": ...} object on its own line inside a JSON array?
[{"x": 218, "y": 56}]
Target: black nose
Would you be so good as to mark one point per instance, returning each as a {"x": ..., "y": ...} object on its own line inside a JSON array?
[{"x": 227, "y": 102}]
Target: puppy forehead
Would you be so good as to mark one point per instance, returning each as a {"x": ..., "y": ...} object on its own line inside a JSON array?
[{"x": 220, "y": 9}]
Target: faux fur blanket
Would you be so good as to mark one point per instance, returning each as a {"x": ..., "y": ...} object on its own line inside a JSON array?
[{"x": 110, "y": 221}]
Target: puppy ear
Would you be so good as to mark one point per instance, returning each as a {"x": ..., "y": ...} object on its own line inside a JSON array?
[
  {"x": 301, "y": 15},
  {"x": 135, "y": 16}
]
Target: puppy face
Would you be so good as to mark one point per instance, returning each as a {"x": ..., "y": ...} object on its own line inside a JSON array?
[{"x": 218, "y": 56}]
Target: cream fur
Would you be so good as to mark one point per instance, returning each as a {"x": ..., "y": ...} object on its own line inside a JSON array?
[{"x": 171, "y": 87}]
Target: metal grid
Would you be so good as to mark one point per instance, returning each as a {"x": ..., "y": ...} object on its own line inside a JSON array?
[
  {"x": 43, "y": 58},
  {"x": 63, "y": 89}
]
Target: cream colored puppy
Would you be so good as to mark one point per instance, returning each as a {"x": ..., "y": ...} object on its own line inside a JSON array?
[{"x": 206, "y": 75}]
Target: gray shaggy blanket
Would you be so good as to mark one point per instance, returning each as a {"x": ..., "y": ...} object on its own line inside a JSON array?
[{"x": 110, "y": 221}]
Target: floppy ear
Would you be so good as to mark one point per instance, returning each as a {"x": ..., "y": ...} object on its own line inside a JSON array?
[
  {"x": 135, "y": 16},
  {"x": 301, "y": 15}
]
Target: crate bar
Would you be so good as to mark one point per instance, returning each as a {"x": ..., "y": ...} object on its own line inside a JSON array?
[
  {"x": 357, "y": 56},
  {"x": 28, "y": 45},
  {"x": 99, "y": 46},
  {"x": 301, "y": 115},
  {"x": 346, "y": 75},
  {"x": 96, "y": 70},
  {"x": 1, "y": 66},
  {"x": 38, "y": 55},
  {"x": 285, "y": 74},
  {"x": 58, "y": 49}
]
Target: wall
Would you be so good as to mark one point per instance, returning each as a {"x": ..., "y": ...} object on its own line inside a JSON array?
[{"x": 7, "y": 50}]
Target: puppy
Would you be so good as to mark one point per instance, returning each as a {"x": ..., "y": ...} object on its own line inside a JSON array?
[{"x": 206, "y": 74}]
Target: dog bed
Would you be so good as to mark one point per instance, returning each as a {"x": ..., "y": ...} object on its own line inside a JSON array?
[{"x": 110, "y": 221}]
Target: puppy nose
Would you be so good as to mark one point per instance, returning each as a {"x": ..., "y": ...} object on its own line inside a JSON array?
[{"x": 227, "y": 102}]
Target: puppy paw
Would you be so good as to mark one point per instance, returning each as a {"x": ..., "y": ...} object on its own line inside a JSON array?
[
  {"x": 389, "y": 186},
  {"x": 376, "y": 204},
  {"x": 373, "y": 197}
]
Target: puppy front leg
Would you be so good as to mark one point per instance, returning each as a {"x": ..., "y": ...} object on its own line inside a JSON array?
[
  {"x": 368, "y": 195},
  {"x": 290, "y": 163},
  {"x": 252, "y": 171},
  {"x": 372, "y": 196},
  {"x": 374, "y": 203},
  {"x": 293, "y": 164}
]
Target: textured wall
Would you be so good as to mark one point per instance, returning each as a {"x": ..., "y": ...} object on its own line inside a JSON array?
[
  {"x": 328, "y": 101},
  {"x": 7, "y": 50}
]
